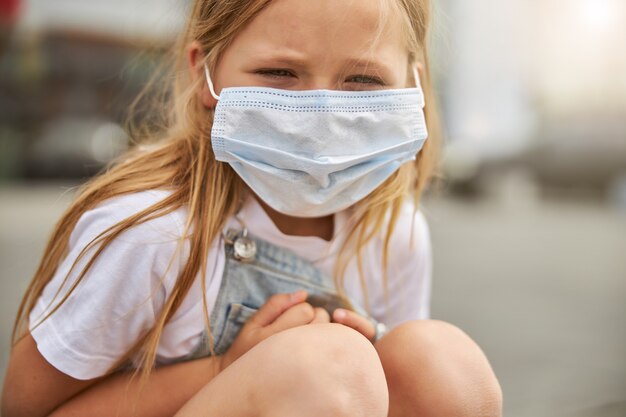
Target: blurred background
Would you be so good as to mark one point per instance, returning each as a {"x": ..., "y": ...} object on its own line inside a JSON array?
[{"x": 528, "y": 226}]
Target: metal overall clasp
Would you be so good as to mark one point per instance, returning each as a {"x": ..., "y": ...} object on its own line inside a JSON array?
[{"x": 244, "y": 248}]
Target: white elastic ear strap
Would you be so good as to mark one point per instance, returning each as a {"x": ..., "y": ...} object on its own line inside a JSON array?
[
  {"x": 210, "y": 83},
  {"x": 416, "y": 76}
]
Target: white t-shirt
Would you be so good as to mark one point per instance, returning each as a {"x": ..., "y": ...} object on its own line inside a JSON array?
[{"x": 126, "y": 287}]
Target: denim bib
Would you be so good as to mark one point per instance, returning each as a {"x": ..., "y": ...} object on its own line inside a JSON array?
[{"x": 249, "y": 281}]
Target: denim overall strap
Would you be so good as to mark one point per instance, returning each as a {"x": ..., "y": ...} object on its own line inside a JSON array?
[{"x": 247, "y": 284}]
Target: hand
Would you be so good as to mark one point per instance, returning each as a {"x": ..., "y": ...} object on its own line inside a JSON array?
[
  {"x": 280, "y": 312},
  {"x": 355, "y": 321}
]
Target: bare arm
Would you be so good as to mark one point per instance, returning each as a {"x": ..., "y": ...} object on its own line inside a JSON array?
[{"x": 34, "y": 388}]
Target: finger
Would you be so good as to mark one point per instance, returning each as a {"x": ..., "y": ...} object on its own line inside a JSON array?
[
  {"x": 355, "y": 321},
  {"x": 297, "y": 315},
  {"x": 321, "y": 316},
  {"x": 275, "y": 306}
]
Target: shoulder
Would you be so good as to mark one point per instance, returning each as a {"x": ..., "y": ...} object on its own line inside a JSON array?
[
  {"x": 157, "y": 229},
  {"x": 411, "y": 234},
  {"x": 153, "y": 247},
  {"x": 113, "y": 292}
]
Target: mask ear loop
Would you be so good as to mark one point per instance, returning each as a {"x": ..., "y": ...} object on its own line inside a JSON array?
[
  {"x": 418, "y": 83},
  {"x": 416, "y": 76},
  {"x": 210, "y": 83}
]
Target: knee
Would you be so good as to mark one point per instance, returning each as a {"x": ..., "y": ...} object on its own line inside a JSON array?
[
  {"x": 435, "y": 369},
  {"x": 329, "y": 366}
]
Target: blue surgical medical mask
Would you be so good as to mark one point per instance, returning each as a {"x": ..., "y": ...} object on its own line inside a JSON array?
[{"x": 316, "y": 152}]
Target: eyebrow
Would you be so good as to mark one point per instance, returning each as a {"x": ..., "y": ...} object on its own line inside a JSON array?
[
  {"x": 369, "y": 65},
  {"x": 283, "y": 58}
]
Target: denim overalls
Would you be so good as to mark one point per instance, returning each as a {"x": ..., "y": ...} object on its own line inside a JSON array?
[{"x": 255, "y": 270}]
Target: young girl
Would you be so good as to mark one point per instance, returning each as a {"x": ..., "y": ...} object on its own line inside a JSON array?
[{"x": 264, "y": 254}]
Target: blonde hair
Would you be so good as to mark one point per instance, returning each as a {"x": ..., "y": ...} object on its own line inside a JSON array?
[{"x": 180, "y": 158}]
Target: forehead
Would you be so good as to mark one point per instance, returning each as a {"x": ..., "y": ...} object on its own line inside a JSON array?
[{"x": 325, "y": 30}]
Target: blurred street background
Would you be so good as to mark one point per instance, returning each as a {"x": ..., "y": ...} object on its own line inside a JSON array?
[{"x": 528, "y": 224}]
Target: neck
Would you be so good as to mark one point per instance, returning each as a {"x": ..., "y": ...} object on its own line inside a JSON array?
[{"x": 322, "y": 227}]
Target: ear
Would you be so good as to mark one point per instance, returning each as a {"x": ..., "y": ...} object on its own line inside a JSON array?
[{"x": 195, "y": 61}]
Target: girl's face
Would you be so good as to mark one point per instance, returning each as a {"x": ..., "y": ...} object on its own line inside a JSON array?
[{"x": 307, "y": 45}]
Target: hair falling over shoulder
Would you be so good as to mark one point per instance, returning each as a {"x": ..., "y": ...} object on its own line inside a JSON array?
[{"x": 178, "y": 157}]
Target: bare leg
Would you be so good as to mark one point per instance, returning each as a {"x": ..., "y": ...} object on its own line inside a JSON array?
[
  {"x": 307, "y": 371},
  {"x": 434, "y": 369}
]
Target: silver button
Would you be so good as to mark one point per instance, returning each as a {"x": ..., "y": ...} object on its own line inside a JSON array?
[{"x": 245, "y": 249}]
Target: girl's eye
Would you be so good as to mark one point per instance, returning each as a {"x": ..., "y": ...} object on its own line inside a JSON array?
[
  {"x": 276, "y": 73},
  {"x": 365, "y": 79}
]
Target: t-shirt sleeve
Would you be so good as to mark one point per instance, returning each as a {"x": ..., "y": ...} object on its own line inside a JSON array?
[
  {"x": 119, "y": 297},
  {"x": 409, "y": 271}
]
